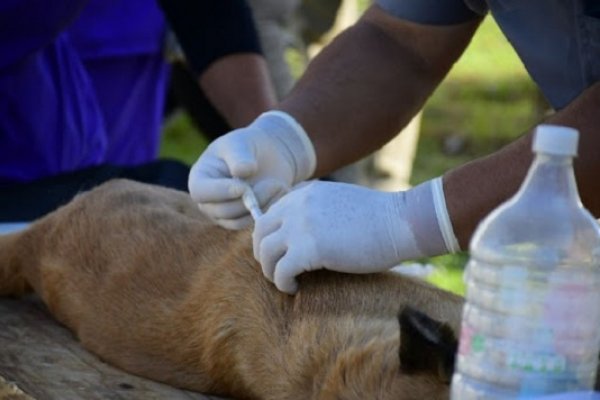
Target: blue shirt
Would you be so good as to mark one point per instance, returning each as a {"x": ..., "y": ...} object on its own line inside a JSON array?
[
  {"x": 81, "y": 83},
  {"x": 557, "y": 40}
]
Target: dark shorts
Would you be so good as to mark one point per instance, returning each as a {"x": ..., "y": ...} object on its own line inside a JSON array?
[{"x": 26, "y": 202}]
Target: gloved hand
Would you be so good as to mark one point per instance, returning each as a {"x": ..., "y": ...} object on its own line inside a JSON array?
[
  {"x": 348, "y": 228},
  {"x": 271, "y": 154}
]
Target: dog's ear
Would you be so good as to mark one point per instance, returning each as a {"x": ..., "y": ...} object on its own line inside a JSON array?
[{"x": 426, "y": 345}]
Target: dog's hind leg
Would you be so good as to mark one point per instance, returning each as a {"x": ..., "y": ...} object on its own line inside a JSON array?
[
  {"x": 22, "y": 261},
  {"x": 12, "y": 279}
]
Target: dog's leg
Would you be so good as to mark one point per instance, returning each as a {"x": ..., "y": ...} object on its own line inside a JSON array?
[
  {"x": 116, "y": 266},
  {"x": 12, "y": 281}
]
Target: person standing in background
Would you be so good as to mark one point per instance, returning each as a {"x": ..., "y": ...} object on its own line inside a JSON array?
[{"x": 83, "y": 84}]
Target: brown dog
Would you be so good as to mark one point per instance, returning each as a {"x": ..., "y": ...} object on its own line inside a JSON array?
[{"x": 148, "y": 284}]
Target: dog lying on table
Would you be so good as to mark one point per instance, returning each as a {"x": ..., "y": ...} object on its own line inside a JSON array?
[{"x": 148, "y": 284}]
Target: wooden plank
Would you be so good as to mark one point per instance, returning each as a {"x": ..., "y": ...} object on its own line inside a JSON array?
[
  {"x": 10, "y": 391},
  {"x": 43, "y": 359}
]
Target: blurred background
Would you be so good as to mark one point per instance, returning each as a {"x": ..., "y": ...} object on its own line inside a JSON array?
[{"x": 484, "y": 103}]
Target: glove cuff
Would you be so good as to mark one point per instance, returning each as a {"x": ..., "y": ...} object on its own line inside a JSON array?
[
  {"x": 443, "y": 219},
  {"x": 284, "y": 128},
  {"x": 424, "y": 212}
]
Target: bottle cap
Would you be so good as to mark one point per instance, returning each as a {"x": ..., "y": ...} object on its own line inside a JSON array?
[{"x": 555, "y": 139}]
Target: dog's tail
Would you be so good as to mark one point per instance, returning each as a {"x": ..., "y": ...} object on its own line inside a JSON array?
[{"x": 12, "y": 279}]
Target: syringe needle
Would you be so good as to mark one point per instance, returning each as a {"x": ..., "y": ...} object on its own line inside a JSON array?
[{"x": 250, "y": 202}]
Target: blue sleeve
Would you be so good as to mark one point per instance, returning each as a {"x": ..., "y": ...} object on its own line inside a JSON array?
[
  {"x": 27, "y": 26},
  {"x": 210, "y": 29},
  {"x": 434, "y": 12}
]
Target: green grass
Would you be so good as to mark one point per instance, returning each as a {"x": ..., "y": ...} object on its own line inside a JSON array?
[
  {"x": 485, "y": 102},
  {"x": 449, "y": 272},
  {"x": 181, "y": 140}
]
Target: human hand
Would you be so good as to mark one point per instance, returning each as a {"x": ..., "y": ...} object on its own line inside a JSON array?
[
  {"x": 346, "y": 228},
  {"x": 271, "y": 154}
]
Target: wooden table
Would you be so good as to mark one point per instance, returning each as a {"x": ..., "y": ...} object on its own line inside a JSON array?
[{"x": 41, "y": 359}]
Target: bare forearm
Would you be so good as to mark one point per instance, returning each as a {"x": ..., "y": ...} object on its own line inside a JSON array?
[
  {"x": 352, "y": 102},
  {"x": 476, "y": 188},
  {"x": 230, "y": 69},
  {"x": 239, "y": 86}
]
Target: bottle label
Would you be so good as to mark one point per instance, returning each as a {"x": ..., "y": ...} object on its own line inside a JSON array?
[
  {"x": 534, "y": 331},
  {"x": 479, "y": 344}
]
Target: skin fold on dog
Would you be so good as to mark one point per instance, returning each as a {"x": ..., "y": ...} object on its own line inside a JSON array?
[{"x": 149, "y": 285}]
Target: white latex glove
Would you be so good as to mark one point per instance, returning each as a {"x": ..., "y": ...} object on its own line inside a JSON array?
[
  {"x": 349, "y": 228},
  {"x": 271, "y": 154}
]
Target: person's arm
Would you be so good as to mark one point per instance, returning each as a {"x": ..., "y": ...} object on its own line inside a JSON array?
[
  {"x": 239, "y": 87},
  {"x": 357, "y": 93},
  {"x": 365, "y": 86},
  {"x": 221, "y": 45},
  {"x": 474, "y": 189}
]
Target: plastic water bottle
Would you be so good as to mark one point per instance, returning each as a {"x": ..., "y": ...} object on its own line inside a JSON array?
[{"x": 531, "y": 320}]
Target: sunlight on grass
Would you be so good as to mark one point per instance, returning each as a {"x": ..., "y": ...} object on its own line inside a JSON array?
[
  {"x": 181, "y": 139},
  {"x": 486, "y": 101},
  {"x": 489, "y": 56},
  {"x": 449, "y": 272}
]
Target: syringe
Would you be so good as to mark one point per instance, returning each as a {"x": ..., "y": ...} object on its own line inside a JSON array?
[{"x": 251, "y": 203}]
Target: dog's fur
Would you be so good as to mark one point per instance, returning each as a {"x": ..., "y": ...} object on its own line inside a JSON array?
[{"x": 148, "y": 284}]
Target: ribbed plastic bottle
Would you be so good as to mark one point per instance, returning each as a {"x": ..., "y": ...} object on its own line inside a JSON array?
[{"x": 531, "y": 320}]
